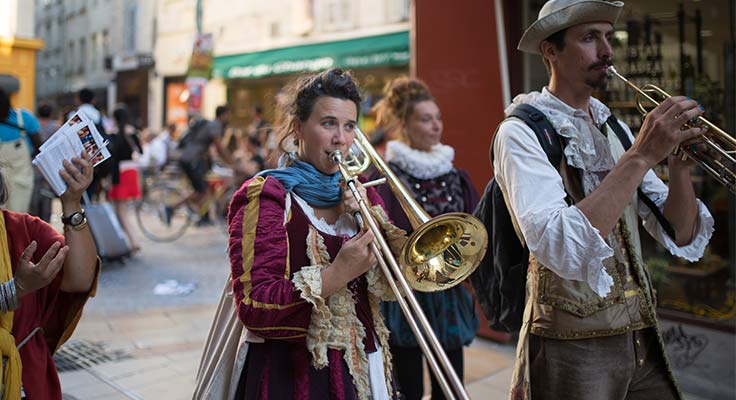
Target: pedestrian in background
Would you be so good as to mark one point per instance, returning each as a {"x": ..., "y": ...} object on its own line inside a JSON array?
[
  {"x": 125, "y": 183},
  {"x": 18, "y": 138},
  {"x": 425, "y": 167},
  {"x": 86, "y": 105},
  {"x": 42, "y": 193},
  {"x": 195, "y": 159}
]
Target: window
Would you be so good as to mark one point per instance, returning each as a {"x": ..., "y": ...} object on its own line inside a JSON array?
[
  {"x": 82, "y": 55},
  {"x": 105, "y": 43},
  {"x": 130, "y": 28},
  {"x": 338, "y": 15},
  {"x": 70, "y": 59},
  {"x": 93, "y": 52}
]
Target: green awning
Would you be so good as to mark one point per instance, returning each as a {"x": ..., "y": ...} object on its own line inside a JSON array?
[{"x": 369, "y": 51}]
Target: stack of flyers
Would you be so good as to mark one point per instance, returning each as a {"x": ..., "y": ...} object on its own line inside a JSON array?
[{"x": 76, "y": 135}]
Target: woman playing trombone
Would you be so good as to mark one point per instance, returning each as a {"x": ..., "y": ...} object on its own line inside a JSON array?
[{"x": 305, "y": 281}]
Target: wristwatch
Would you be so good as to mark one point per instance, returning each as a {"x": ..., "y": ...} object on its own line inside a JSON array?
[{"x": 76, "y": 219}]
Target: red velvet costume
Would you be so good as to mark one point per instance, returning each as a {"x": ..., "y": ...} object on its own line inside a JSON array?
[
  {"x": 266, "y": 249},
  {"x": 55, "y": 311}
]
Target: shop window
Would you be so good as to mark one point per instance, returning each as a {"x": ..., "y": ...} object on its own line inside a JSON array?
[{"x": 648, "y": 50}]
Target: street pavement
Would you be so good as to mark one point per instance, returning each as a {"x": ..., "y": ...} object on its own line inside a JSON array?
[{"x": 134, "y": 344}]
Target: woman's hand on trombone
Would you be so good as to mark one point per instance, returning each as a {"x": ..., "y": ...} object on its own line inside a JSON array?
[
  {"x": 354, "y": 259},
  {"x": 350, "y": 204},
  {"x": 356, "y": 255}
]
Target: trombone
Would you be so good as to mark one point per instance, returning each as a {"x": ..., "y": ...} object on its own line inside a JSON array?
[
  {"x": 723, "y": 166},
  {"x": 440, "y": 253}
]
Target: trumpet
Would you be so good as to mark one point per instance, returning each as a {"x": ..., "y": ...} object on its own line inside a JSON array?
[
  {"x": 440, "y": 253},
  {"x": 722, "y": 166}
]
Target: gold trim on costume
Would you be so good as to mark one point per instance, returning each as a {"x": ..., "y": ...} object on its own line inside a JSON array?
[
  {"x": 275, "y": 328},
  {"x": 250, "y": 222}
]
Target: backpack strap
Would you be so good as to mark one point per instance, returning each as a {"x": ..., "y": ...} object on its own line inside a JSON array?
[
  {"x": 546, "y": 134},
  {"x": 543, "y": 129},
  {"x": 616, "y": 127}
]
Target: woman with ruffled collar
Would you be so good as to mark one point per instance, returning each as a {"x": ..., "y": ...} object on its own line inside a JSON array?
[
  {"x": 425, "y": 166},
  {"x": 306, "y": 285}
]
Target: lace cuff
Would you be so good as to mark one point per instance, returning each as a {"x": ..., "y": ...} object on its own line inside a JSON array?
[
  {"x": 308, "y": 281},
  {"x": 598, "y": 279},
  {"x": 377, "y": 283},
  {"x": 395, "y": 236},
  {"x": 701, "y": 236}
]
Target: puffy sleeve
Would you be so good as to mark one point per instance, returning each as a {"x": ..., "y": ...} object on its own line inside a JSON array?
[
  {"x": 266, "y": 299},
  {"x": 558, "y": 235},
  {"x": 656, "y": 190}
]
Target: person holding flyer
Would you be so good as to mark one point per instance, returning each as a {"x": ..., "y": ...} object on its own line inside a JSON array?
[{"x": 45, "y": 280}]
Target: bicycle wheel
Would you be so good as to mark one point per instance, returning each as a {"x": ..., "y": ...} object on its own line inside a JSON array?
[
  {"x": 150, "y": 213},
  {"x": 221, "y": 205}
]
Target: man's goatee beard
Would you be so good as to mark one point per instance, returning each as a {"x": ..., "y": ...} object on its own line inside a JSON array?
[{"x": 598, "y": 84}]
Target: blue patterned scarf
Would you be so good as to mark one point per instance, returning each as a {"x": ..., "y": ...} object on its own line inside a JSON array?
[{"x": 316, "y": 188}]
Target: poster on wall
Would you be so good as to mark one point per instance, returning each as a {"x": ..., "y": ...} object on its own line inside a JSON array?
[
  {"x": 195, "y": 87},
  {"x": 177, "y": 96},
  {"x": 199, "y": 71},
  {"x": 200, "y": 64}
]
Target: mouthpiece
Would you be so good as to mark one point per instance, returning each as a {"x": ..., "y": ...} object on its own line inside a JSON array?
[
  {"x": 611, "y": 70},
  {"x": 336, "y": 157}
]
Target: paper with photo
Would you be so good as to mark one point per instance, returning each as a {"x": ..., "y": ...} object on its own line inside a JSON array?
[{"x": 76, "y": 135}]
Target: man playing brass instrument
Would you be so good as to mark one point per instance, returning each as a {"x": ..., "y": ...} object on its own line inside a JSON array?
[{"x": 590, "y": 327}]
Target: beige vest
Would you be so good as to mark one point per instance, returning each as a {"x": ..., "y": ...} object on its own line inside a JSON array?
[{"x": 566, "y": 309}]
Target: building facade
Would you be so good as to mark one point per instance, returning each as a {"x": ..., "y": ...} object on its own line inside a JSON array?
[
  {"x": 259, "y": 46},
  {"x": 103, "y": 45}
]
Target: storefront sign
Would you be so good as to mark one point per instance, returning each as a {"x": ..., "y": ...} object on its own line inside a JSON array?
[
  {"x": 282, "y": 67},
  {"x": 364, "y": 52}
]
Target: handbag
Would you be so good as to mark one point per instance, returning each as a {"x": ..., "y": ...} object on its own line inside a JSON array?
[{"x": 224, "y": 352}]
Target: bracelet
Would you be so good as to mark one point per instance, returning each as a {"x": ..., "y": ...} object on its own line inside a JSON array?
[
  {"x": 8, "y": 296},
  {"x": 79, "y": 227}
]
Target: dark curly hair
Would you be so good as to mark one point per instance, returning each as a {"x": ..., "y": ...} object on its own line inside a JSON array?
[
  {"x": 397, "y": 105},
  {"x": 296, "y": 101}
]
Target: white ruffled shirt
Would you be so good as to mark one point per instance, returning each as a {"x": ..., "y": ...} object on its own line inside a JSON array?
[{"x": 558, "y": 235}]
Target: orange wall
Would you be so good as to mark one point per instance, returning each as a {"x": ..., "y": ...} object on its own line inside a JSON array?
[
  {"x": 18, "y": 58},
  {"x": 455, "y": 51}
]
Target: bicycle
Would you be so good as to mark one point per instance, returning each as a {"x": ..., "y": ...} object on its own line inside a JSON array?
[{"x": 164, "y": 187}]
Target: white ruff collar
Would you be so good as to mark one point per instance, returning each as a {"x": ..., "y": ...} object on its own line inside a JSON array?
[
  {"x": 586, "y": 149},
  {"x": 421, "y": 164}
]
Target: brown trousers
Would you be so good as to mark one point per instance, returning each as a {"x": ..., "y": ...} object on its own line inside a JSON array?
[{"x": 629, "y": 366}]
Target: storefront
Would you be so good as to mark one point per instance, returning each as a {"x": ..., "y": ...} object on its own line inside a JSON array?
[
  {"x": 175, "y": 103},
  {"x": 685, "y": 48},
  {"x": 254, "y": 79},
  {"x": 132, "y": 74}
]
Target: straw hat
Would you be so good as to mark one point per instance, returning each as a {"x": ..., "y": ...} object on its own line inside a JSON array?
[{"x": 557, "y": 15}]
